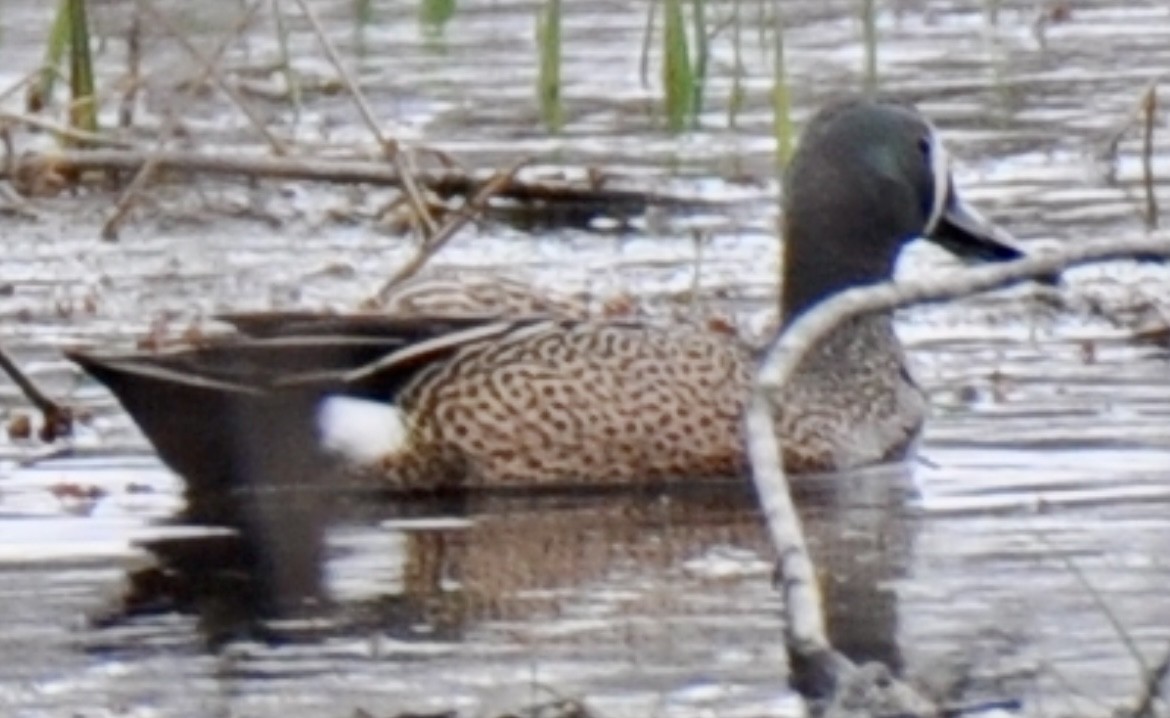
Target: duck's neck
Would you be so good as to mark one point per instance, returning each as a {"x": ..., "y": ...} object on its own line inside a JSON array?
[{"x": 831, "y": 262}]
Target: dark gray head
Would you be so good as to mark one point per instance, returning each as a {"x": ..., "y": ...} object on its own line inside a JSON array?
[{"x": 867, "y": 178}]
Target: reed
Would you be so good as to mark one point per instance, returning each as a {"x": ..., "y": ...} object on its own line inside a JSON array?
[
  {"x": 548, "y": 79},
  {"x": 83, "y": 105},
  {"x": 869, "y": 32},
  {"x": 433, "y": 14},
  {"x": 678, "y": 75},
  {"x": 736, "y": 98},
  {"x": 40, "y": 92},
  {"x": 782, "y": 128},
  {"x": 702, "y": 52}
]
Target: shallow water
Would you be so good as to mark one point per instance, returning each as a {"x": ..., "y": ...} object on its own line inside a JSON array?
[{"x": 1028, "y": 562}]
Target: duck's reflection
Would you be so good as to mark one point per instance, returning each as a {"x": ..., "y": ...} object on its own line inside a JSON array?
[{"x": 461, "y": 561}]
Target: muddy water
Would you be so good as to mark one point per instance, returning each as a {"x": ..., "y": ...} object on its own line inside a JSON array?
[{"x": 1024, "y": 557}]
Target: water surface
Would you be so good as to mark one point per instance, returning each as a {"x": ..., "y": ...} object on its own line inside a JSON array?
[{"x": 1023, "y": 557}]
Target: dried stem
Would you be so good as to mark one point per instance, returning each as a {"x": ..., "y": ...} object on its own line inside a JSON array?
[
  {"x": 131, "y": 192},
  {"x": 1112, "y": 141},
  {"x": 58, "y": 419},
  {"x": 133, "y": 70},
  {"x": 92, "y": 139},
  {"x": 1150, "y": 112},
  {"x": 258, "y": 123},
  {"x": 1106, "y": 610},
  {"x": 435, "y": 242},
  {"x": 1153, "y": 687},
  {"x": 342, "y": 171},
  {"x": 19, "y": 84},
  {"x": 389, "y": 145}
]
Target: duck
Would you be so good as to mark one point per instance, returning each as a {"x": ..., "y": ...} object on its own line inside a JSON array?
[{"x": 425, "y": 401}]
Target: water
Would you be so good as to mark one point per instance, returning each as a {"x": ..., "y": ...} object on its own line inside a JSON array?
[{"x": 1029, "y": 562}]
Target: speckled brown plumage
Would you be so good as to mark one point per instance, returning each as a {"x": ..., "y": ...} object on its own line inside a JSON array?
[
  {"x": 577, "y": 402},
  {"x": 618, "y": 403}
]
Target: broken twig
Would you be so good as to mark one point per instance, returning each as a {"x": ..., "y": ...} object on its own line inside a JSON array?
[
  {"x": 146, "y": 171},
  {"x": 58, "y": 419},
  {"x": 435, "y": 242},
  {"x": 445, "y": 183},
  {"x": 257, "y": 122}
]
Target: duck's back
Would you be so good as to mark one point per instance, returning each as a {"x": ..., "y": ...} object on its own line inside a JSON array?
[{"x": 578, "y": 403}]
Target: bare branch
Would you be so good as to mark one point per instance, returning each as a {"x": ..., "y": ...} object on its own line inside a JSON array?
[
  {"x": 147, "y": 170},
  {"x": 58, "y": 420},
  {"x": 435, "y": 242},
  {"x": 1153, "y": 686},
  {"x": 446, "y": 183},
  {"x": 258, "y": 122},
  {"x": 807, "y": 642},
  {"x": 389, "y": 145},
  {"x": 63, "y": 131}
]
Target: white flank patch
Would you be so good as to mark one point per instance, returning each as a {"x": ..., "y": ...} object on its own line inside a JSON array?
[{"x": 360, "y": 430}]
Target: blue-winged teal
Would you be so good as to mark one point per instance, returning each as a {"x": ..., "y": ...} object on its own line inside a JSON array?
[{"x": 423, "y": 403}]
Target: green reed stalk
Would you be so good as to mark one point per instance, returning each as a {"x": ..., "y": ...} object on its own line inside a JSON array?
[
  {"x": 41, "y": 92},
  {"x": 548, "y": 81},
  {"x": 735, "y": 102},
  {"x": 83, "y": 106},
  {"x": 699, "y": 22},
  {"x": 781, "y": 100},
  {"x": 435, "y": 14},
  {"x": 677, "y": 72},
  {"x": 869, "y": 28}
]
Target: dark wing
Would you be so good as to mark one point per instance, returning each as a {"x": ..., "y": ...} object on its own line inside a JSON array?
[{"x": 221, "y": 413}]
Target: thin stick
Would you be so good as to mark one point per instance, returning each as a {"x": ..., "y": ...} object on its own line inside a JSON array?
[
  {"x": 32, "y": 392},
  {"x": 258, "y": 122},
  {"x": 342, "y": 171},
  {"x": 16, "y": 86},
  {"x": 1112, "y": 141},
  {"x": 436, "y": 242},
  {"x": 1152, "y": 688},
  {"x": 1150, "y": 111},
  {"x": 1106, "y": 610},
  {"x": 133, "y": 70},
  {"x": 70, "y": 133},
  {"x": 335, "y": 59},
  {"x": 146, "y": 171},
  {"x": 806, "y": 636},
  {"x": 388, "y": 145},
  {"x": 17, "y": 205}
]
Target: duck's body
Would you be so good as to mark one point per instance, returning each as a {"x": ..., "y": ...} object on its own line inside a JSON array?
[
  {"x": 604, "y": 402},
  {"x": 506, "y": 403},
  {"x": 490, "y": 402}
]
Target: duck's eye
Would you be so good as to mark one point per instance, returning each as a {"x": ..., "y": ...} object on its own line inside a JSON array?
[{"x": 924, "y": 146}]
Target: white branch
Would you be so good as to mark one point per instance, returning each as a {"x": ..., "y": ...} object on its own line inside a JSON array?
[{"x": 806, "y": 635}]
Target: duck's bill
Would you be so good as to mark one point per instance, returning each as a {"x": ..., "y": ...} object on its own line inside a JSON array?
[{"x": 967, "y": 234}]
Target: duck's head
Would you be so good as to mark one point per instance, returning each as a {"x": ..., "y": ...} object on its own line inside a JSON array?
[{"x": 868, "y": 178}]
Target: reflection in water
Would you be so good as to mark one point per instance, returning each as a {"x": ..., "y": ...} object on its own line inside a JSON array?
[{"x": 472, "y": 558}]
